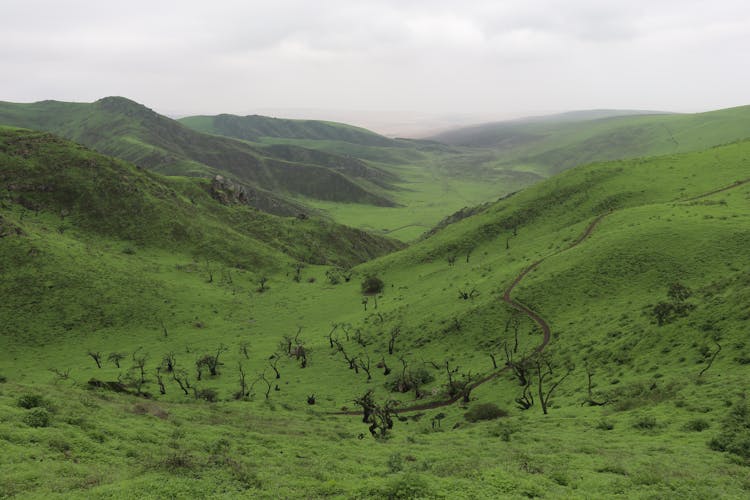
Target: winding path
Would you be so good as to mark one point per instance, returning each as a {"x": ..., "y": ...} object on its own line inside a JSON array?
[
  {"x": 533, "y": 315},
  {"x": 431, "y": 405}
]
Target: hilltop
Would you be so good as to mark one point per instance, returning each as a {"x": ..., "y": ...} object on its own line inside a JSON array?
[{"x": 119, "y": 127}]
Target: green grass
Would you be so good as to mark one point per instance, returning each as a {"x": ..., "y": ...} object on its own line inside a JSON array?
[
  {"x": 552, "y": 146},
  {"x": 81, "y": 293},
  {"x": 127, "y": 130}
]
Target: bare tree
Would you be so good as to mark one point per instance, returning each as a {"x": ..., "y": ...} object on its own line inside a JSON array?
[
  {"x": 181, "y": 377},
  {"x": 395, "y": 332},
  {"x": 298, "y": 271},
  {"x": 519, "y": 368},
  {"x": 244, "y": 349},
  {"x": 590, "y": 400},
  {"x": 262, "y": 378},
  {"x": 211, "y": 361},
  {"x": 169, "y": 362},
  {"x": 713, "y": 358},
  {"x": 60, "y": 374},
  {"x": 139, "y": 361},
  {"x": 526, "y": 400},
  {"x": 160, "y": 381},
  {"x": 243, "y": 392},
  {"x": 334, "y": 327},
  {"x": 273, "y": 361},
  {"x": 97, "y": 357},
  {"x": 365, "y": 365},
  {"x": 384, "y": 366},
  {"x": 467, "y": 294},
  {"x": 543, "y": 370},
  {"x": 115, "y": 358}
]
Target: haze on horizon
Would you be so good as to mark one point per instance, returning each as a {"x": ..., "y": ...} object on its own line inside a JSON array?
[{"x": 368, "y": 62}]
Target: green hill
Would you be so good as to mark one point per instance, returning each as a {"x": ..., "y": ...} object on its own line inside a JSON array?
[
  {"x": 60, "y": 198},
  {"x": 256, "y": 128},
  {"x": 637, "y": 268},
  {"x": 122, "y": 128},
  {"x": 552, "y": 145}
]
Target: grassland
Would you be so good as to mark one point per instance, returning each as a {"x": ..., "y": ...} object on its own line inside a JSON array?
[
  {"x": 550, "y": 145},
  {"x": 71, "y": 292}
]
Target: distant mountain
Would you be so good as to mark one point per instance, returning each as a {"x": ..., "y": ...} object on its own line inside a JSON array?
[
  {"x": 551, "y": 144},
  {"x": 125, "y": 129}
]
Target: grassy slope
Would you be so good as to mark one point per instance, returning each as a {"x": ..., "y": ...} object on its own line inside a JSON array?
[
  {"x": 119, "y": 127},
  {"x": 254, "y": 128},
  {"x": 431, "y": 180},
  {"x": 549, "y": 147},
  {"x": 597, "y": 297}
]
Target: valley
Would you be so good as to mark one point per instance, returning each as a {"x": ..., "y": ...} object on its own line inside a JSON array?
[{"x": 163, "y": 338}]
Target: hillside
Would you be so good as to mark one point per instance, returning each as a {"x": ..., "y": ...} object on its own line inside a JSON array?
[
  {"x": 631, "y": 275},
  {"x": 256, "y": 128},
  {"x": 122, "y": 128},
  {"x": 58, "y": 195},
  {"x": 551, "y": 145}
]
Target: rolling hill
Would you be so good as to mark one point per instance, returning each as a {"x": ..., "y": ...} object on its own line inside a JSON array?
[
  {"x": 256, "y": 128},
  {"x": 553, "y": 144},
  {"x": 629, "y": 276},
  {"x": 122, "y": 128}
]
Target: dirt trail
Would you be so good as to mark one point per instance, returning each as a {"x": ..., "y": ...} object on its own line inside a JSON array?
[
  {"x": 528, "y": 311},
  {"x": 431, "y": 405}
]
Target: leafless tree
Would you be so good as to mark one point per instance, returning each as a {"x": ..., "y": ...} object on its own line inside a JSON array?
[
  {"x": 544, "y": 369},
  {"x": 395, "y": 332},
  {"x": 115, "y": 358},
  {"x": 97, "y": 357}
]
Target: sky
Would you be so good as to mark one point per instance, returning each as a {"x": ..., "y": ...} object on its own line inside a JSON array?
[{"x": 407, "y": 61}]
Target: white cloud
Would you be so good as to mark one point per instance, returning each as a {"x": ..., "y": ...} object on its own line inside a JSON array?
[{"x": 493, "y": 56}]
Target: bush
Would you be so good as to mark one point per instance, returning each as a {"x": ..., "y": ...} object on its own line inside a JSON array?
[
  {"x": 29, "y": 401},
  {"x": 645, "y": 423},
  {"x": 735, "y": 433},
  {"x": 417, "y": 377},
  {"x": 37, "y": 417},
  {"x": 404, "y": 486},
  {"x": 485, "y": 411},
  {"x": 605, "y": 425},
  {"x": 697, "y": 425},
  {"x": 3, "y": 379},
  {"x": 372, "y": 285},
  {"x": 209, "y": 395}
]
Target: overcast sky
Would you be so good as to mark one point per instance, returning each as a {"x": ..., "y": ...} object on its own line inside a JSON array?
[{"x": 419, "y": 57}]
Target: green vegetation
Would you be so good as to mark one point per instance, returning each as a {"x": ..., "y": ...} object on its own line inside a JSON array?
[
  {"x": 552, "y": 144},
  {"x": 234, "y": 358},
  {"x": 125, "y": 129}
]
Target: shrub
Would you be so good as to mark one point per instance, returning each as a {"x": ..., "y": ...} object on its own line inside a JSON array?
[
  {"x": 3, "y": 379},
  {"x": 404, "y": 486},
  {"x": 735, "y": 433},
  {"x": 605, "y": 425},
  {"x": 372, "y": 285},
  {"x": 209, "y": 395},
  {"x": 485, "y": 411},
  {"x": 645, "y": 423},
  {"x": 37, "y": 417},
  {"x": 417, "y": 377},
  {"x": 29, "y": 401},
  {"x": 697, "y": 425},
  {"x": 395, "y": 463}
]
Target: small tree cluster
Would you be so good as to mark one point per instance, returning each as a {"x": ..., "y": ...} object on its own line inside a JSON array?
[{"x": 667, "y": 311}]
